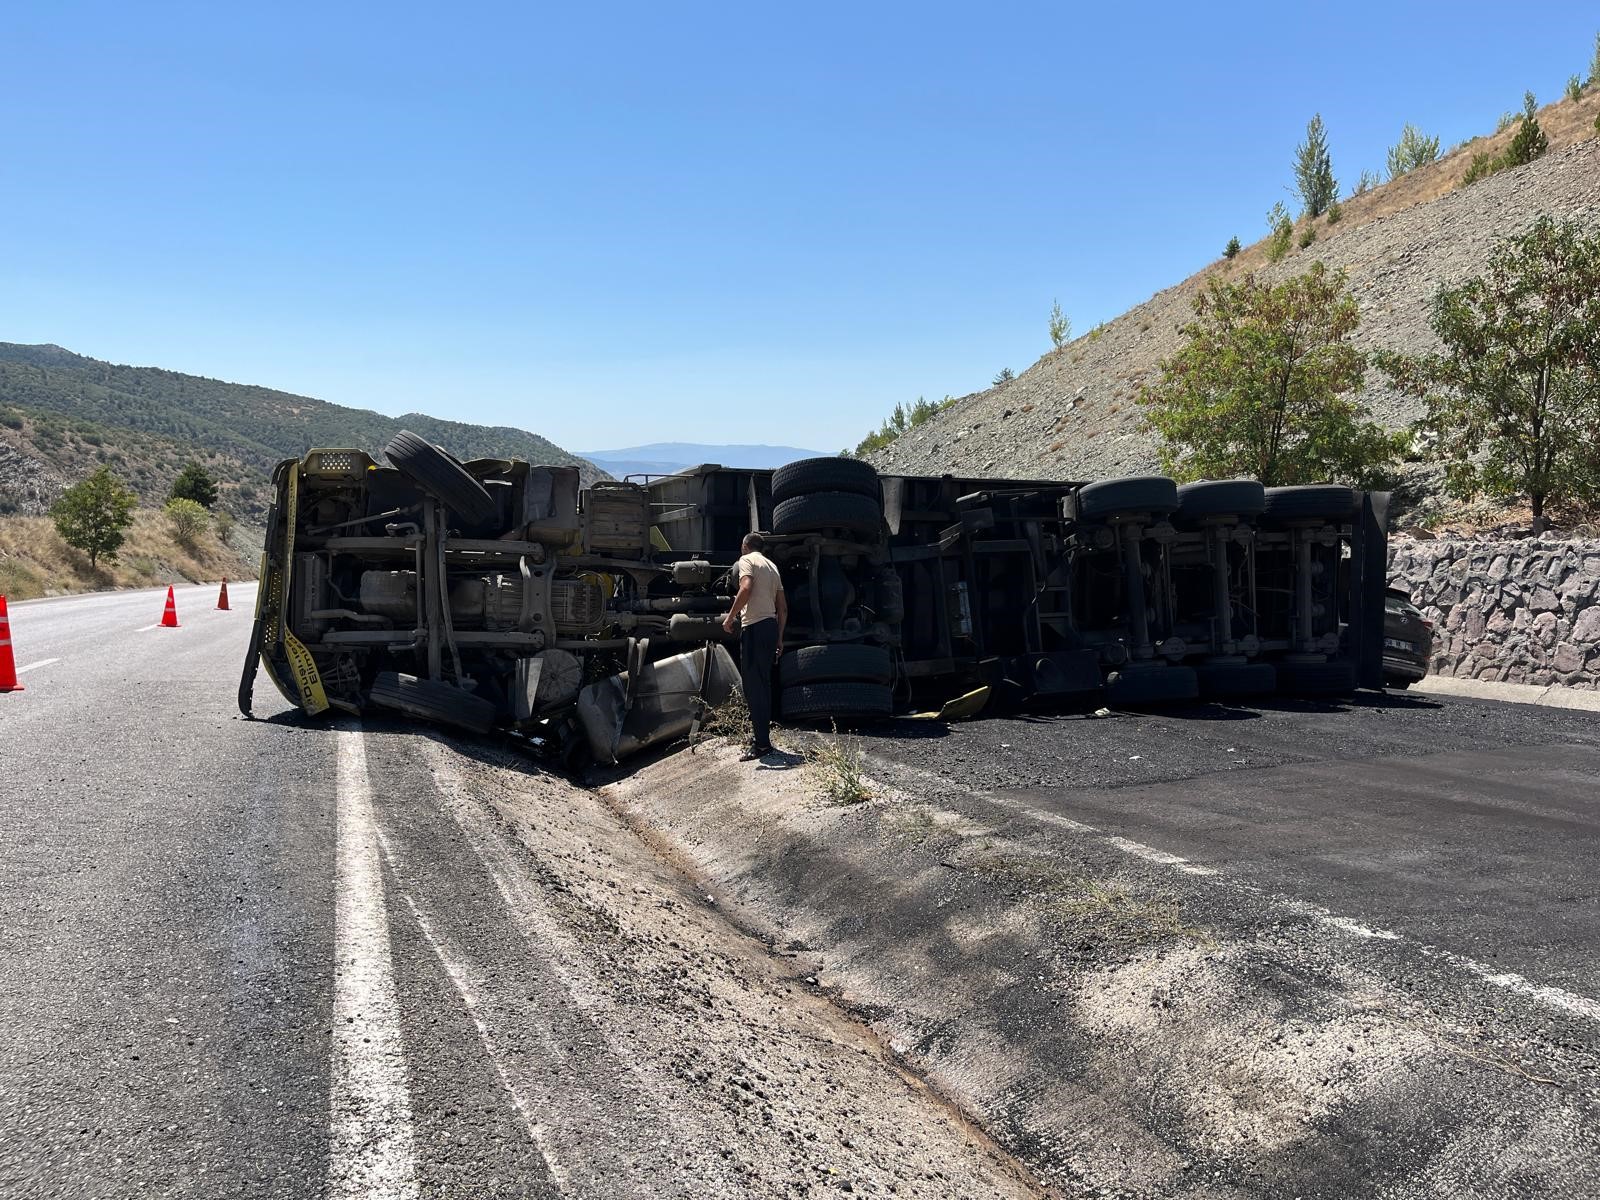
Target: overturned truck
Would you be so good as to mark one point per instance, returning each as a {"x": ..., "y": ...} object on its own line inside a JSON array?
[{"x": 500, "y": 594}]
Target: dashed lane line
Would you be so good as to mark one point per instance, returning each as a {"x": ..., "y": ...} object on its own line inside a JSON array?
[
  {"x": 33, "y": 666},
  {"x": 1551, "y": 997},
  {"x": 371, "y": 1151}
]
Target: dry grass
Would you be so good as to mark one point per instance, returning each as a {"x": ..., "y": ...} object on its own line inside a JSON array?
[
  {"x": 1565, "y": 122},
  {"x": 1102, "y": 909},
  {"x": 836, "y": 764},
  {"x": 34, "y": 561},
  {"x": 731, "y": 720}
]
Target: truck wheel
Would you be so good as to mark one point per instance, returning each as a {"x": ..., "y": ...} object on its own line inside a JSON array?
[
  {"x": 432, "y": 700},
  {"x": 1132, "y": 493},
  {"x": 820, "y": 511},
  {"x": 1324, "y": 502},
  {"x": 827, "y": 664},
  {"x": 836, "y": 701},
  {"x": 1139, "y": 686},
  {"x": 438, "y": 472},
  {"x": 1226, "y": 680},
  {"x": 824, "y": 475},
  {"x": 1220, "y": 498},
  {"x": 1336, "y": 678}
]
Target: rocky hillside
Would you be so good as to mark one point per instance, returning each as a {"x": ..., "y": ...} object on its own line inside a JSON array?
[
  {"x": 62, "y": 415},
  {"x": 1075, "y": 415}
]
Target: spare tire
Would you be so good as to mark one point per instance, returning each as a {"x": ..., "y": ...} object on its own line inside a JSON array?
[
  {"x": 816, "y": 512},
  {"x": 432, "y": 700},
  {"x": 853, "y": 662},
  {"x": 1318, "y": 502},
  {"x": 1220, "y": 498},
  {"x": 1337, "y": 677},
  {"x": 1132, "y": 493},
  {"x": 824, "y": 475},
  {"x": 836, "y": 701},
  {"x": 439, "y": 472}
]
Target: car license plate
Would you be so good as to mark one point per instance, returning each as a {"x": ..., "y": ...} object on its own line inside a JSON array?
[{"x": 1399, "y": 644}]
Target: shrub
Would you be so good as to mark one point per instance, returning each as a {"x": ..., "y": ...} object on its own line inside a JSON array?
[
  {"x": 1313, "y": 170},
  {"x": 1307, "y": 236},
  {"x": 11, "y": 419},
  {"x": 1528, "y": 145},
  {"x": 1060, "y": 325},
  {"x": 1231, "y": 250},
  {"x": 1005, "y": 376},
  {"x": 188, "y": 519},
  {"x": 1335, "y": 213},
  {"x": 223, "y": 523},
  {"x": 1365, "y": 183},
  {"x": 92, "y": 515},
  {"x": 1574, "y": 88},
  {"x": 1413, "y": 150},
  {"x": 1281, "y": 235},
  {"x": 1483, "y": 164}
]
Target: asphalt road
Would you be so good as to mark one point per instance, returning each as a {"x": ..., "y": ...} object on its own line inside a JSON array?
[
  {"x": 286, "y": 958},
  {"x": 1467, "y": 828}
]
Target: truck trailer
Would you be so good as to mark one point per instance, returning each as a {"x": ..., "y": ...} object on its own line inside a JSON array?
[{"x": 502, "y": 594}]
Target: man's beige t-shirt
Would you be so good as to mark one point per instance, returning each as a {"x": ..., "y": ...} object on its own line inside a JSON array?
[{"x": 765, "y": 584}]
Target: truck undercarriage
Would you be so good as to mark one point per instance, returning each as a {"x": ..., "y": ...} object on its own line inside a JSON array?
[{"x": 496, "y": 593}]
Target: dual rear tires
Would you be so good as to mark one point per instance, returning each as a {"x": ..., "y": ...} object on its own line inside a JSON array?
[
  {"x": 842, "y": 682},
  {"x": 828, "y": 495}
]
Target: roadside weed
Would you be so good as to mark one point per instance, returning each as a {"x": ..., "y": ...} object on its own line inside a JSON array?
[{"x": 837, "y": 765}]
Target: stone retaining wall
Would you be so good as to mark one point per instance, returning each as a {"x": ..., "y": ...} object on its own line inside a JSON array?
[{"x": 1507, "y": 611}]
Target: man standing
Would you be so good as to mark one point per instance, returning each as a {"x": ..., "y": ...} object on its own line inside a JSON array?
[{"x": 762, "y": 611}]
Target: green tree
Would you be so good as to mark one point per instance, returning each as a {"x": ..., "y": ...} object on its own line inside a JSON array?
[
  {"x": 91, "y": 515},
  {"x": 1313, "y": 170},
  {"x": 1529, "y": 143},
  {"x": 1574, "y": 88},
  {"x": 1231, "y": 250},
  {"x": 1266, "y": 385},
  {"x": 194, "y": 482},
  {"x": 1513, "y": 399},
  {"x": 1281, "y": 235},
  {"x": 1060, "y": 325},
  {"x": 1413, "y": 150},
  {"x": 1006, "y": 376},
  {"x": 188, "y": 519}
]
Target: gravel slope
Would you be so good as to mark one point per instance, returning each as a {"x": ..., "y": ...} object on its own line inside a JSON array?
[{"x": 1074, "y": 413}]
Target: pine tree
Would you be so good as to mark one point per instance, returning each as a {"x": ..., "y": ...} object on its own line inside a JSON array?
[
  {"x": 1313, "y": 170},
  {"x": 194, "y": 482},
  {"x": 1413, "y": 150}
]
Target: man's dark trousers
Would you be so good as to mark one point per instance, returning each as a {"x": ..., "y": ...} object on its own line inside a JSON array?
[{"x": 758, "y": 646}]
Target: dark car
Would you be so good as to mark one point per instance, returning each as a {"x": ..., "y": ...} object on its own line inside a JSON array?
[{"x": 1407, "y": 640}]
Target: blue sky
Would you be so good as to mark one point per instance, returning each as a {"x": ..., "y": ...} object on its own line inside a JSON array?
[{"x": 616, "y": 224}]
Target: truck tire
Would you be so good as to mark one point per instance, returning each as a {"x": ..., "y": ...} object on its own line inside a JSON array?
[
  {"x": 432, "y": 700},
  {"x": 1223, "y": 681},
  {"x": 1334, "y": 678},
  {"x": 1220, "y": 498},
  {"x": 1131, "y": 493},
  {"x": 820, "y": 511},
  {"x": 440, "y": 473},
  {"x": 1318, "y": 502},
  {"x": 836, "y": 701},
  {"x": 1151, "y": 685},
  {"x": 850, "y": 662},
  {"x": 824, "y": 475}
]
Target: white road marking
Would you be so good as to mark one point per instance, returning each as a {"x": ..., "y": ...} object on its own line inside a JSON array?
[
  {"x": 148, "y": 628},
  {"x": 43, "y": 662},
  {"x": 371, "y": 1151},
  {"x": 1550, "y": 997}
]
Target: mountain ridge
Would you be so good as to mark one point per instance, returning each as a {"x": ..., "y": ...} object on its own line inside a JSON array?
[{"x": 63, "y": 413}]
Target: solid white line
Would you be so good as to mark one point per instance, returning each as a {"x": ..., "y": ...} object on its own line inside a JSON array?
[
  {"x": 43, "y": 662},
  {"x": 371, "y": 1152},
  {"x": 148, "y": 628}
]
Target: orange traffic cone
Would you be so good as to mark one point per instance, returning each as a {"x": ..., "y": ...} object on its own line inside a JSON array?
[
  {"x": 169, "y": 619},
  {"x": 222, "y": 600},
  {"x": 8, "y": 664}
]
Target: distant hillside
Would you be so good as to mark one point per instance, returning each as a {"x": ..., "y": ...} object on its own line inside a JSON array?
[
  {"x": 663, "y": 458},
  {"x": 1075, "y": 413},
  {"x": 62, "y": 414}
]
